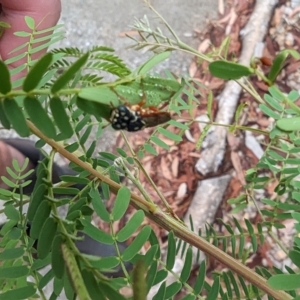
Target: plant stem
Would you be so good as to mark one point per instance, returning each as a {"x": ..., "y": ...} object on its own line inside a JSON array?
[
  {"x": 75, "y": 274},
  {"x": 250, "y": 90},
  {"x": 240, "y": 127},
  {"x": 161, "y": 196},
  {"x": 165, "y": 22},
  {"x": 271, "y": 234},
  {"x": 170, "y": 224}
]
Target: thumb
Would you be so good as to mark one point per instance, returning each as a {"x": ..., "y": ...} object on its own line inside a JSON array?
[{"x": 45, "y": 13}]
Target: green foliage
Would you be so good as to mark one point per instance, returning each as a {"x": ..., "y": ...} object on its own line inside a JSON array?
[
  {"x": 36, "y": 73},
  {"x": 5, "y": 86},
  {"x": 39, "y": 116},
  {"x": 46, "y": 237},
  {"x": 14, "y": 115},
  {"x": 228, "y": 70},
  {"x": 279, "y": 62},
  {"x": 64, "y": 98}
]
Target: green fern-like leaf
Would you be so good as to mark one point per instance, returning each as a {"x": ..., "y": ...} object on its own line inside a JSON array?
[{"x": 36, "y": 44}]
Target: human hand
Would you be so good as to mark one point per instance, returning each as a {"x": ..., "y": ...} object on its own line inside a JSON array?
[
  {"x": 44, "y": 12},
  {"x": 13, "y": 13}
]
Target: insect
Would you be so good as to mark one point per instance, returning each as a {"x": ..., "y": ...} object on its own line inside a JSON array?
[
  {"x": 137, "y": 117},
  {"x": 124, "y": 118}
]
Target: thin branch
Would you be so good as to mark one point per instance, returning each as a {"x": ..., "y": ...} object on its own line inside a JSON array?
[{"x": 170, "y": 224}]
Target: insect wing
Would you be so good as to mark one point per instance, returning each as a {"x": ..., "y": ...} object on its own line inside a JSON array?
[{"x": 155, "y": 119}]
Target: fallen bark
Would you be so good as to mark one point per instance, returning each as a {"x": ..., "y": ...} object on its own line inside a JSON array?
[{"x": 215, "y": 143}]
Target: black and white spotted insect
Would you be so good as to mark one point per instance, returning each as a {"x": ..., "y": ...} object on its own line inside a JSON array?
[
  {"x": 124, "y": 118},
  {"x": 137, "y": 117}
]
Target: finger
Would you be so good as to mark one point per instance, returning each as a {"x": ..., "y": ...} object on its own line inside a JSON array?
[{"x": 45, "y": 13}]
